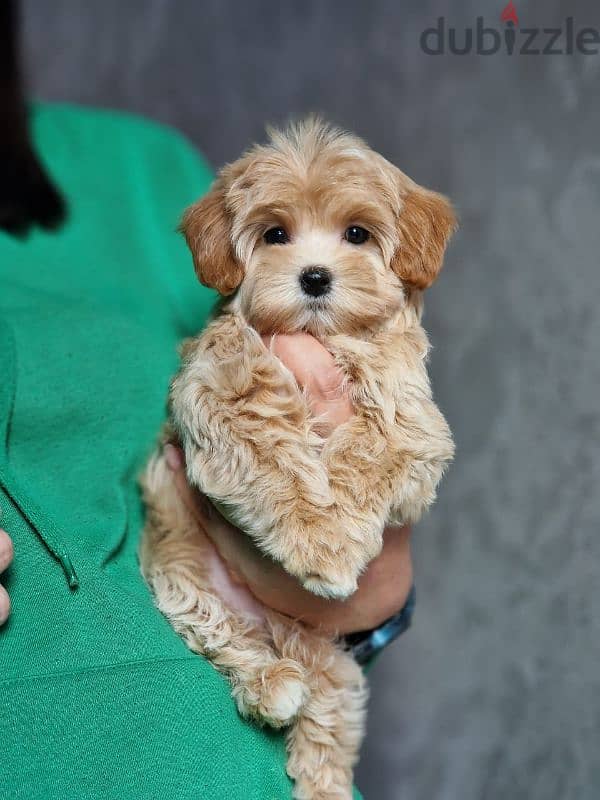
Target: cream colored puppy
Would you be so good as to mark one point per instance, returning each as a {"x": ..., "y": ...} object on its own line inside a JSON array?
[{"x": 315, "y": 232}]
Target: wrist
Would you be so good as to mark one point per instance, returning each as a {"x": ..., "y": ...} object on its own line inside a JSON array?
[{"x": 365, "y": 645}]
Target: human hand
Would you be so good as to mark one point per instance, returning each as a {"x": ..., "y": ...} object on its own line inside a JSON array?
[
  {"x": 315, "y": 372},
  {"x": 6, "y": 556},
  {"x": 382, "y": 589}
]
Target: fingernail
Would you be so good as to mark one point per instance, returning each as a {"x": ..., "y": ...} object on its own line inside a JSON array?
[{"x": 173, "y": 457}]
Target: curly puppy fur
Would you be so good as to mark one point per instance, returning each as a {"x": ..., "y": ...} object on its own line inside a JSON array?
[{"x": 317, "y": 505}]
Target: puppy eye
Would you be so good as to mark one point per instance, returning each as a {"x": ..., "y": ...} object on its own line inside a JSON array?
[
  {"x": 276, "y": 236},
  {"x": 356, "y": 235}
]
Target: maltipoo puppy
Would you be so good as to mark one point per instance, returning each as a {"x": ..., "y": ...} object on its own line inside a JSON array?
[{"x": 311, "y": 232}]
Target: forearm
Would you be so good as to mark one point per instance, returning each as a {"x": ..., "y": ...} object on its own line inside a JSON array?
[{"x": 382, "y": 589}]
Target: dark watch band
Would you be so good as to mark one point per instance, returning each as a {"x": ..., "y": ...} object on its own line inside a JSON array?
[{"x": 365, "y": 644}]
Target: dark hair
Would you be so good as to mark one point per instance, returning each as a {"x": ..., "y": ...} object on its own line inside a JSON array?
[{"x": 27, "y": 196}]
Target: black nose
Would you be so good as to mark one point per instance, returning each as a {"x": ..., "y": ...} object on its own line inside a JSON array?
[{"x": 315, "y": 281}]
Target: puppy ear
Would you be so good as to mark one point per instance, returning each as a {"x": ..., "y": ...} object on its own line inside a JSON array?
[
  {"x": 207, "y": 229},
  {"x": 426, "y": 222}
]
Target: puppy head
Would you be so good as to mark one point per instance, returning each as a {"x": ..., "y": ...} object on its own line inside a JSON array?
[{"x": 317, "y": 232}]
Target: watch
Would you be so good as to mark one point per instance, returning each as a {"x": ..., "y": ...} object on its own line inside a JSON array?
[{"x": 365, "y": 644}]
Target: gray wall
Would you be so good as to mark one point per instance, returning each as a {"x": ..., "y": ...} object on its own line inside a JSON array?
[{"x": 495, "y": 692}]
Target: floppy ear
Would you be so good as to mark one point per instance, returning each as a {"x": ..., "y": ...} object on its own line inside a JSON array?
[
  {"x": 207, "y": 229},
  {"x": 426, "y": 222}
]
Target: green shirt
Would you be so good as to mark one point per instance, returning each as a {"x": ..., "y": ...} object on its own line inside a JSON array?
[{"x": 99, "y": 698}]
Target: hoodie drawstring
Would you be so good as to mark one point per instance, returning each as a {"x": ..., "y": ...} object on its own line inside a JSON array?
[{"x": 44, "y": 527}]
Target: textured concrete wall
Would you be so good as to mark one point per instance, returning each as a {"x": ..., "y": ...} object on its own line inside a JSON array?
[{"x": 495, "y": 692}]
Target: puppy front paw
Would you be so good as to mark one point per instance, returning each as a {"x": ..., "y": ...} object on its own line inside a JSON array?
[
  {"x": 330, "y": 574},
  {"x": 330, "y": 568},
  {"x": 333, "y": 587}
]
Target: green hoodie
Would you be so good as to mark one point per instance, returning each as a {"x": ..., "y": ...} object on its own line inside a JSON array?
[{"x": 99, "y": 698}]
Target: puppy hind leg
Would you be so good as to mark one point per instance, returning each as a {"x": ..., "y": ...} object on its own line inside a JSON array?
[
  {"x": 266, "y": 688},
  {"x": 324, "y": 740}
]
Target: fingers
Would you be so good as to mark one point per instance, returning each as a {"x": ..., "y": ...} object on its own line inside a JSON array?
[
  {"x": 6, "y": 556},
  {"x": 315, "y": 370},
  {"x": 6, "y": 550},
  {"x": 306, "y": 358},
  {"x": 4, "y": 605},
  {"x": 173, "y": 456}
]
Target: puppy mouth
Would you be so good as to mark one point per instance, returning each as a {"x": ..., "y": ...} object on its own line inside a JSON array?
[
  {"x": 317, "y": 316},
  {"x": 317, "y": 311},
  {"x": 317, "y": 303}
]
